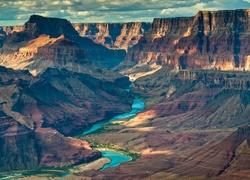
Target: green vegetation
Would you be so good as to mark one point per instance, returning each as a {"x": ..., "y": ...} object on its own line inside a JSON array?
[
  {"x": 114, "y": 148},
  {"x": 103, "y": 129},
  {"x": 45, "y": 172}
]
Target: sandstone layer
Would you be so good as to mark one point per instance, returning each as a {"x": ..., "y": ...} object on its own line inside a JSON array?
[{"x": 209, "y": 40}]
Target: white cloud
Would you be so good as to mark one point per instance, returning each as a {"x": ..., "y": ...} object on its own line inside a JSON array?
[
  {"x": 67, "y": 3},
  {"x": 82, "y": 13},
  {"x": 110, "y": 10},
  {"x": 186, "y": 11}
]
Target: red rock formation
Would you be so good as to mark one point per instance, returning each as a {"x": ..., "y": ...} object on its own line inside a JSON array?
[
  {"x": 62, "y": 51},
  {"x": 210, "y": 40},
  {"x": 113, "y": 35}
]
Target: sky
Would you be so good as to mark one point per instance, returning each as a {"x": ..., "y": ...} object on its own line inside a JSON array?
[{"x": 17, "y": 12}]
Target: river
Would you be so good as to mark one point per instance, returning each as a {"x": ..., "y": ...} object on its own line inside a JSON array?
[
  {"x": 137, "y": 107},
  {"x": 115, "y": 157}
]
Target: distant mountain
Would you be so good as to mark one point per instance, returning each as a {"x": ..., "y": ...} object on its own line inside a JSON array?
[
  {"x": 53, "y": 27},
  {"x": 113, "y": 35}
]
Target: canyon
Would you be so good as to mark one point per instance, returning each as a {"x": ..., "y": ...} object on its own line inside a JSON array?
[{"x": 192, "y": 73}]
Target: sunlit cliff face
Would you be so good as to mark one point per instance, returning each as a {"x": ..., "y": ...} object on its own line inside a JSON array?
[{"x": 209, "y": 40}]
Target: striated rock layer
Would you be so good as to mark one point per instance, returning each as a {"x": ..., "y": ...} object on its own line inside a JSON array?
[
  {"x": 113, "y": 35},
  {"x": 209, "y": 40}
]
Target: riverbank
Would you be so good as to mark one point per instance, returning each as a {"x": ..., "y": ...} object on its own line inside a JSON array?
[
  {"x": 96, "y": 165},
  {"x": 136, "y": 107},
  {"x": 109, "y": 147}
]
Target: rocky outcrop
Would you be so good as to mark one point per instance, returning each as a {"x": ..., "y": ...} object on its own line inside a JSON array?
[
  {"x": 113, "y": 35},
  {"x": 62, "y": 51},
  {"x": 71, "y": 151},
  {"x": 54, "y": 27},
  {"x": 209, "y": 40}
]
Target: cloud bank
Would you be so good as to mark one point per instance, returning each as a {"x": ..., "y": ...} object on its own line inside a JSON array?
[{"x": 14, "y": 12}]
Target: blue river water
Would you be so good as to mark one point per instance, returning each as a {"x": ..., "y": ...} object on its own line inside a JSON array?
[
  {"x": 137, "y": 107},
  {"x": 116, "y": 159}
]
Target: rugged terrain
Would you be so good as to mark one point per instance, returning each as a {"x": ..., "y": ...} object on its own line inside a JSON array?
[{"x": 194, "y": 80}]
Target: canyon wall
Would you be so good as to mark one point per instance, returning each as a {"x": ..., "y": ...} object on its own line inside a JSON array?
[
  {"x": 113, "y": 35},
  {"x": 209, "y": 40}
]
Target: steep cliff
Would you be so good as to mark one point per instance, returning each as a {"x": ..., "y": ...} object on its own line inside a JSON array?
[
  {"x": 209, "y": 40},
  {"x": 113, "y": 35}
]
